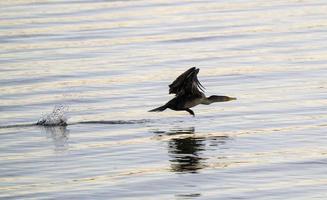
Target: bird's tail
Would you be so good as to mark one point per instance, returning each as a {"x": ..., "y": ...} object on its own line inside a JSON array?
[{"x": 159, "y": 109}]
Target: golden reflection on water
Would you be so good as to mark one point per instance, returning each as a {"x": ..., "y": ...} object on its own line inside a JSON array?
[{"x": 115, "y": 59}]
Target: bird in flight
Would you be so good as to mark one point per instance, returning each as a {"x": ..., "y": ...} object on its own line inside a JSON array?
[{"x": 189, "y": 93}]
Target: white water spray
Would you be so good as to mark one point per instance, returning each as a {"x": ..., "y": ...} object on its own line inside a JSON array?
[{"x": 58, "y": 117}]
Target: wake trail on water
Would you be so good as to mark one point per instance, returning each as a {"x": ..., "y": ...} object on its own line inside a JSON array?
[{"x": 58, "y": 117}]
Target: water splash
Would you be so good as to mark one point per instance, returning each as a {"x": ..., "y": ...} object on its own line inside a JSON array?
[{"x": 58, "y": 117}]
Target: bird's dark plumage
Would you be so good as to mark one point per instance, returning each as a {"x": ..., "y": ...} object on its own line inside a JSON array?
[
  {"x": 188, "y": 93},
  {"x": 187, "y": 83}
]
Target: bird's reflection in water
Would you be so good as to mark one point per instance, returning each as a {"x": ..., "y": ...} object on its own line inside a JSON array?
[
  {"x": 186, "y": 149},
  {"x": 58, "y": 135}
]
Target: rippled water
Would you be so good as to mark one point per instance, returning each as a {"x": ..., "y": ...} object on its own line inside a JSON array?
[{"x": 113, "y": 60}]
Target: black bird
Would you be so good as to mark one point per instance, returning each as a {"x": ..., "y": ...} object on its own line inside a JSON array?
[{"x": 189, "y": 93}]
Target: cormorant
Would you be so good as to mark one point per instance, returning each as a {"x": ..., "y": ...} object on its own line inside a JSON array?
[{"x": 189, "y": 93}]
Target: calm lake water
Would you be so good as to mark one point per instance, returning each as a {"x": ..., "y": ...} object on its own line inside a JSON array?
[{"x": 113, "y": 60}]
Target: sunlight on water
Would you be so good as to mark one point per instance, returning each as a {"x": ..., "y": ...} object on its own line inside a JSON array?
[{"x": 110, "y": 62}]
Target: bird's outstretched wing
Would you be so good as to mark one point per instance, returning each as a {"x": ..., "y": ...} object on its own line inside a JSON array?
[{"x": 187, "y": 83}]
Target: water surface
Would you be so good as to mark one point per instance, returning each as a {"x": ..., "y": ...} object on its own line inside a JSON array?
[{"x": 113, "y": 60}]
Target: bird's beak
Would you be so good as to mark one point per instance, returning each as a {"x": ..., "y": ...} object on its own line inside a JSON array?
[{"x": 232, "y": 98}]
